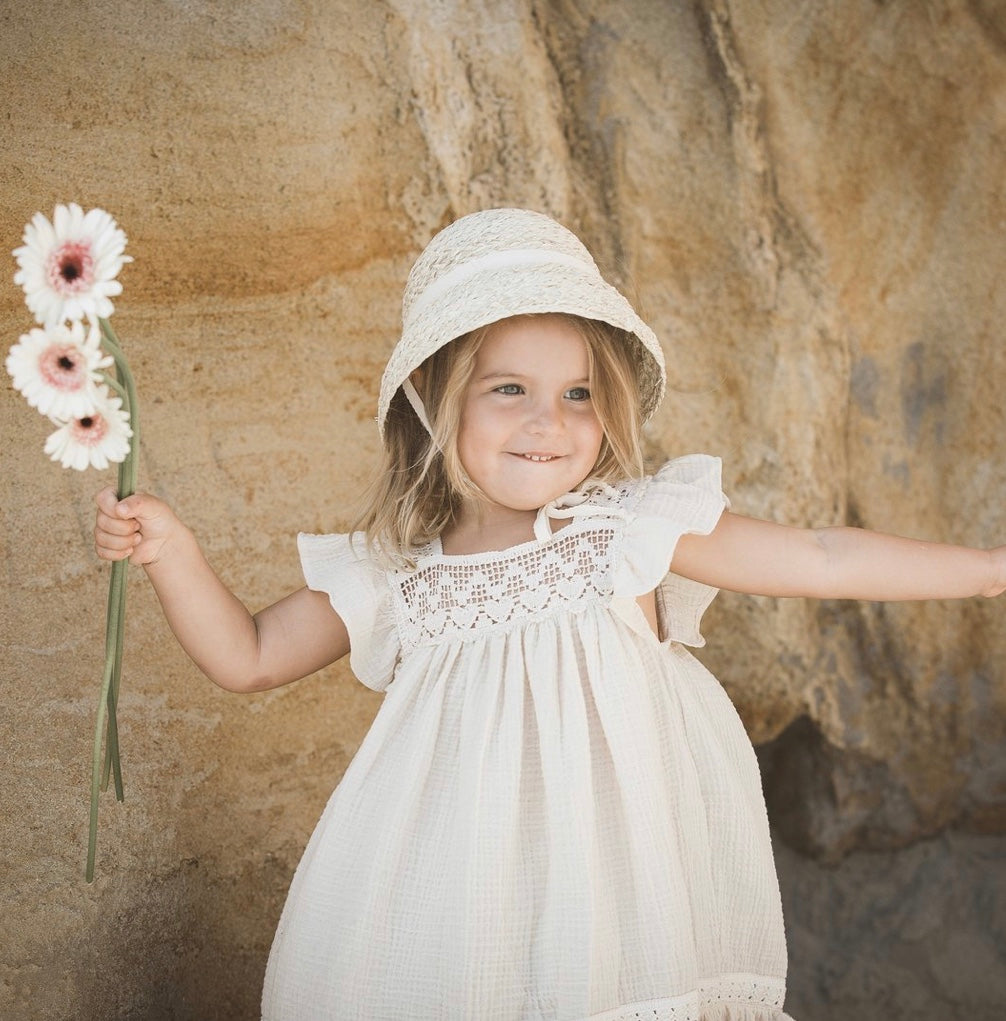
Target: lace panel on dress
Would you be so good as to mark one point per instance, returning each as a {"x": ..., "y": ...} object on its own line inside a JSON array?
[
  {"x": 457, "y": 597},
  {"x": 743, "y": 997}
]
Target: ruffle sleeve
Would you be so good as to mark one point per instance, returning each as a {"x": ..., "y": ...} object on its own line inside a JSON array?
[
  {"x": 357, "y": 587},
  {"x": 683, "y": 498}
]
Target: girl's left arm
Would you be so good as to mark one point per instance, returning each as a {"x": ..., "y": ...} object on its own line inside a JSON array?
[{"x": 761, "y": 558}]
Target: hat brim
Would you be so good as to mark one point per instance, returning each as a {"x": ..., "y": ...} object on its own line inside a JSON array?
[{"x": 501, "y": 292}]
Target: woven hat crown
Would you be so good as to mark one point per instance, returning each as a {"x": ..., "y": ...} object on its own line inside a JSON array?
[{"x": 498, "y": 263}]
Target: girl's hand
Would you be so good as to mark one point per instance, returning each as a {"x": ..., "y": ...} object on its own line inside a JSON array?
[
  {"x": 138, "y": 527},
  {"x": 292, "y": 638}
]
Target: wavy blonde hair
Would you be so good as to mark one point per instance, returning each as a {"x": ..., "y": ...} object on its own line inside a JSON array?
[{"x": 421, "y": 484}]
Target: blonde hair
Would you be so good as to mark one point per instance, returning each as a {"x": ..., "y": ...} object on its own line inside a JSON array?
[{"x": 421, "y": 484}]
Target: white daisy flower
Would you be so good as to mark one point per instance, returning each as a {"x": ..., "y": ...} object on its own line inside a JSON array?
[
  {"x": 94, "y": 439},
  {"x": 68, "y": 267},
  {"x": 57, "y": 370}
]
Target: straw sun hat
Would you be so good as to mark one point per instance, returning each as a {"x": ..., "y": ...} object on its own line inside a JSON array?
[{"x": 499, "y": 263}]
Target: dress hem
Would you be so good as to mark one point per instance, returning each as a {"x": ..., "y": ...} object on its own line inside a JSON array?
[{"x": 736, "y": 997}]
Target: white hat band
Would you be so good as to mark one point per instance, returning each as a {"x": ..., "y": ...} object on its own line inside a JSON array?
[{"x": 492, "y": 260}]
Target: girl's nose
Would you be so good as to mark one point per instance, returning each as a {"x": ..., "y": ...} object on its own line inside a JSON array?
[{"x": 544, "y": 416}]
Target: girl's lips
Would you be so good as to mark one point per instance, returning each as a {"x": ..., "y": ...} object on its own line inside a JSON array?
[{"x": 537, "y": 458}]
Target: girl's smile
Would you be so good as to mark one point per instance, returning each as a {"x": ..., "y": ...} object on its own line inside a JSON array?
[{"x": 528, "y": 431}]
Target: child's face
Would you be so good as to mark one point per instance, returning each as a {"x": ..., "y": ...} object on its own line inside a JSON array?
[{"x": 528, "y": 430}]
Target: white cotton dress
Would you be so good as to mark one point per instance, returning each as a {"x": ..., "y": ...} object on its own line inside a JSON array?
[{"x": 556, "y": 816}]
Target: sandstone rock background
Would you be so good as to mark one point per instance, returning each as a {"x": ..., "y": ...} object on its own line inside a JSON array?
[{"x": 805, "y": 200}]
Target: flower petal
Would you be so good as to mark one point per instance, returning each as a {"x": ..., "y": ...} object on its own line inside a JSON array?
[
  {"x": 68, "y": 267},
  {"x": 57, "y": 370},
  {"x": 95, "y": 439}
]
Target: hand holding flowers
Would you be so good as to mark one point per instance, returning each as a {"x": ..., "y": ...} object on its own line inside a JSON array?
[
  {"x": 136, "y": 528},
  {"x": 68, "y": 269}
]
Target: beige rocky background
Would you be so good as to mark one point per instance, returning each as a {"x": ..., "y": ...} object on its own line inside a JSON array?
[{"x": 806, "y": 200}]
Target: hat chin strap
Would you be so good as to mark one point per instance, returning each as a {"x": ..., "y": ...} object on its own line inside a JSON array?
[{"x": 412, "y": 395}]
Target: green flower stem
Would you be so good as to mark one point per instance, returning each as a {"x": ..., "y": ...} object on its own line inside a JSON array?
[
  {"x": 115, "y": 617},
  {"x": 117, "y": 583},
  {"x": 114, "y": 384},
  {"x": 128, "y": 471},
  {"x": 114, "y": 632},
  {"x": 126, "y": 487},
  {"x": 113, "y": 628}
]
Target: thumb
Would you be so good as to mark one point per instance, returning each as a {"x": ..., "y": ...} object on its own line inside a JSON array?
[
  {"x": 106, "y": 500},
  {"x": 141, "y": 506}
]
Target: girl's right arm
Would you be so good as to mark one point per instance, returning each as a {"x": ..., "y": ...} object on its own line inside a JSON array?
[{"x": 236, "y": 650}]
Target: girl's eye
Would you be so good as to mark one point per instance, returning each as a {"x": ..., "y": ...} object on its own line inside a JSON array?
[
  {"x": 509, "y": 389},
  {"x": 578, "y": 393}
]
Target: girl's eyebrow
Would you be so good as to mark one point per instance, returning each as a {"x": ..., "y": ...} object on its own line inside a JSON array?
[
  {"x": 501, "y": 375},
  {"x": 519, "y": 375}
]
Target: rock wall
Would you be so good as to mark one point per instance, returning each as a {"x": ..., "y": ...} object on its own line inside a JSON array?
[{"x": 805, "y": 200}]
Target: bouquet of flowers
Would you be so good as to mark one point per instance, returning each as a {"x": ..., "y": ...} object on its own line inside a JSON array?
[{"x": 68, "y": 269}]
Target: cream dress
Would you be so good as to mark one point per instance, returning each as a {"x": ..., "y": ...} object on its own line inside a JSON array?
[{"x": 555, "y": 814}]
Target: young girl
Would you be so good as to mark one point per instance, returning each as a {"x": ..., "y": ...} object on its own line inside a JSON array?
[{"x": 557, "y": 813}]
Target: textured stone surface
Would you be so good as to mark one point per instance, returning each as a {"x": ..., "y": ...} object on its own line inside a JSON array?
[
  {"x": 898, "y": 937},
  {"x": 806, "y": 202}
]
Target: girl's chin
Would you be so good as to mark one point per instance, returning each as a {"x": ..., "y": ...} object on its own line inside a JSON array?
[{"x": 529, "y": 503}]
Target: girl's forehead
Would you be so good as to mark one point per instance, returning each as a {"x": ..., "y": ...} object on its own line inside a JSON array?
[
  {"x": 530, "y": 328},
  {"x": 533, "y": 339}
]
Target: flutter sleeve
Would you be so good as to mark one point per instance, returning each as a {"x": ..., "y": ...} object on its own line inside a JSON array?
[
  {"x": 683, "y": 498},
  {"x": 341, "y": 566}
]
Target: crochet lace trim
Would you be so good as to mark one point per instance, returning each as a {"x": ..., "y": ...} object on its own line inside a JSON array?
[
  {"x": 453, "y": 598},
  {"x": 727, "y": 998}
]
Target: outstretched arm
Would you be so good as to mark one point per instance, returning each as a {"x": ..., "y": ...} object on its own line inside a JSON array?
[
  {"x": 761, "y": 558},
  {"x": 241, "y": 652}
]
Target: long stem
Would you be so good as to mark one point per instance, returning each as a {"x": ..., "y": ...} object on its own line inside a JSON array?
[
  {"x": 113, "y": 629},
  {"x": 112, "y": 624},
  {"x": 118, "y": 580},
  {"x": 117, "y": 631},
  {"x": 115, "y": 616},
  {"x": 130, "y": 467},
  {"x": 114, "y": 634},
  {"x": 128, "y": 471},
  {"x": 116, "y": 612}
]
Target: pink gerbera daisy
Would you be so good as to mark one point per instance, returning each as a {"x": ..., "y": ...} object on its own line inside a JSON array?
[
  {"x": 57, "y": 369},
  {"x": 95, "y": 439},
  {"x": 68, "y": 267}
]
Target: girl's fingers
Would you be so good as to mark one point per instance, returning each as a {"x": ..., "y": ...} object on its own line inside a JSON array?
[
  {"x": 112, "y": 554},
  {"x": 115, "y": 539},
  {"x": 115, "y": 526},
  {"x": 133, "y": 527},
  {"x": 109, "y": 552}
]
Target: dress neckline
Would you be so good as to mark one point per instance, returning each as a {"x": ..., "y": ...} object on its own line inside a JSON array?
[
  {"x": 434, "y": 550},
  {"x": 555, "y": 519}
]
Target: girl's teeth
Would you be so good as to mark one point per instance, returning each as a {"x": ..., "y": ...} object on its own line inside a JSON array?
[{"x": 538, "y": 457}]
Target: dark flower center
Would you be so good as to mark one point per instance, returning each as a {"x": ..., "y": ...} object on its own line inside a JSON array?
[
  {"x": 70, "y": 267},
  {"x": 65, "y": 362},
  {"x": 70, "y": 270},
  {"x": 86, "y": 422}
]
